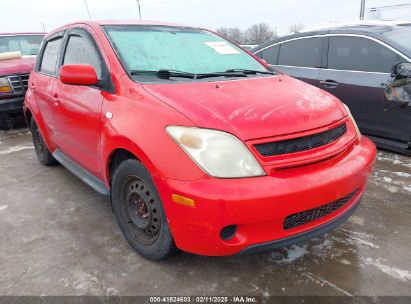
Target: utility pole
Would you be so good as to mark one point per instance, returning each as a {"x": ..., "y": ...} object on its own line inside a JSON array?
[
  {"x": 362, "y": 11},
  {"x": 88, "y": 12},
  {"x": 44, "y": 28},
  {"x": 139, "y": 8}
]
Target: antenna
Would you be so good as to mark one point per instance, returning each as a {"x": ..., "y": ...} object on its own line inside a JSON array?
[
  {"x": 88, "y": 12},
  {"x": 139, "y": 8}
]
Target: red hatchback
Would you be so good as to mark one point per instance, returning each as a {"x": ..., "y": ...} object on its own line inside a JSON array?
[{"x": 200, "y": 146}]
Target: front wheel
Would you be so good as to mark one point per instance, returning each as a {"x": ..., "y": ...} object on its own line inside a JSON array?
[{"x": 139, "y": 211}]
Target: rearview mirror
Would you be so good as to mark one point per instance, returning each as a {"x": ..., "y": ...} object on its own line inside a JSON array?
[
  {"x": 402, "y": 69},
  {"x": 78, "y": 74}
]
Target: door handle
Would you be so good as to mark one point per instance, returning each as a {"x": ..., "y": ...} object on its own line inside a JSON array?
[
  {"x": 56, "y": 99},
  {"x": 32, "y": 86},
  {"x": 329, "y": 84}
]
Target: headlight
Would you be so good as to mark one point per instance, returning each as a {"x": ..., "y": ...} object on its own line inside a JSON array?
[
  {"x": 4, "y": 85},
  {"x": 218, "y": 153},
  {"x": 353, "y": 121}
]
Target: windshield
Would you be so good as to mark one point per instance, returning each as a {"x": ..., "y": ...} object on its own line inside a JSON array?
[
  {"x": 153, "y": 48},
  {"x": 401, "y": 36},
  {"x": 27, "y": 44}
]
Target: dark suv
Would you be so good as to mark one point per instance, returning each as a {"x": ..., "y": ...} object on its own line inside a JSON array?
[{"x": 353, "y": 62}]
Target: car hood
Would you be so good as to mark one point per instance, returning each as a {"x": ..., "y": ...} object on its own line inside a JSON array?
[
  {"x": 14, "y": 66},
  {"x": 252, "y": 108}
]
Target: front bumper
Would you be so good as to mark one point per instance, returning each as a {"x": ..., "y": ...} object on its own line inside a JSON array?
[
  {"x": 303, "y": 236},
  {"x": 11, "y": 105},
  {"x": 258, "y": 206}
]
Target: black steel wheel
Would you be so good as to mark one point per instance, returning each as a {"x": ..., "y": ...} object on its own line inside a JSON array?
[
  {"x": 42, "y": 151},
  {"x": 139, "y": 211},
  {"x": 141, "y": 208}
]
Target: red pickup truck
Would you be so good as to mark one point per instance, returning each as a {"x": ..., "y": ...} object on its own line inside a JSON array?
[{"x": 17, "y": 57}]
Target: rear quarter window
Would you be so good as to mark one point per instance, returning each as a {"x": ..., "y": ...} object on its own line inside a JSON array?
[{"x": 301, "y": 53}]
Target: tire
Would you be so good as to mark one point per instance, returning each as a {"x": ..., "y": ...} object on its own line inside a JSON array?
[
  {"x": 139, "y": 211},
  {"x": 4, "y": 122},
  {"x": 42, "y": 151}
]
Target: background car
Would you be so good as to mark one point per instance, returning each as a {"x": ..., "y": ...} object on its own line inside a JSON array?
[
  {"x": 18, "y": 51},
  {"x": 354, "y": 63}
]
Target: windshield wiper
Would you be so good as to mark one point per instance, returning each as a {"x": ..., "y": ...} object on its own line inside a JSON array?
[
  {"x": 246, "y": 71},
  {"x": 164, "y": 74},
  {"x": 167, "y": 74},
  {"x": 220, "y": 74}
]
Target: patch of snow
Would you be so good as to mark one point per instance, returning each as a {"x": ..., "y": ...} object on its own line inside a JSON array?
[
  {"x": 291, "y": 254},
  {"x": 402, "y": 174},
  {"x": 360, "y": 238},
  {"x": 407, "y": 188},
  {"x": 3, "y": 207},
  {"x": 356, "y": 220},
  {"x": 344, "y": 261},
  {"x": 264, "y": 293},
  {"x": 15, "y": 149},
  {"x": 392, "y": 189},
  {"x": 388, "y": 179},
  {"x": 323, "y": 282},
  {"x": 392, "y": 271}
]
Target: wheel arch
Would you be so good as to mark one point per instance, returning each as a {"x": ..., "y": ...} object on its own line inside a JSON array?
[
  {"x": 27, "y": 116},
  {"x": 31, "y": 111},
  {"x": 123, "y": 150}
]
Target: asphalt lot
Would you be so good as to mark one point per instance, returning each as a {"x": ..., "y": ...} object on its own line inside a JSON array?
[{"x": 58, "y": 237}]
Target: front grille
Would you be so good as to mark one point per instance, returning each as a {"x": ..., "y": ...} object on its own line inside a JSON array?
[
  {"x": 305, "y": 217},
  {"x": 302, "y": 143},
  {"x": 19, "y": 83}
]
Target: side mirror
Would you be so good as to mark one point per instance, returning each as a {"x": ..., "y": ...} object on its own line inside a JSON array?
[
  {"x": 78, "y": 74},
  {"x": 398, "y": 89},
  {"x": 402, "y": 69}
]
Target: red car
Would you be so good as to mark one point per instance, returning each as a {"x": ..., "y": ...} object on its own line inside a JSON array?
[
  {"x": 199, "y": 145},
  {"x": 17, "y": 57}
]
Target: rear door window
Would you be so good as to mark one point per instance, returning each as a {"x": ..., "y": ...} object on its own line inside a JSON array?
[
  {"x": 50, "y": 57},
  {"x": 80, "y": 50},
  {"x": 270, "y": 55},
  {"x": 301, "y": 53},
  {"x": 360, "y": 54}
]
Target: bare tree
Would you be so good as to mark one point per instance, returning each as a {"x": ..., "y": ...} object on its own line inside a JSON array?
[
  {"x": 259, "y": 33},
  {"x": 232, "y": 33},
  {"x": 223, "y": 31},
  {"x": 296, "y": 27},
  {"x": 235, "y": 34}
]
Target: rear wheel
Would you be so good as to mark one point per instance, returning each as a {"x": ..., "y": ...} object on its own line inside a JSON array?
[
  {"x": 139, "y": 211},
  {"x": 43, "y": 153}
]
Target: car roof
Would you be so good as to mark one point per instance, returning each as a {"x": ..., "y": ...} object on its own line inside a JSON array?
[
  {"x": 373, "y": 29},
  {"x": 98, "y": 23}
]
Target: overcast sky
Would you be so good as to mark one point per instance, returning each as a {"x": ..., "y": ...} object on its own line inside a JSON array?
[{"x": 27, "y": 15}]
